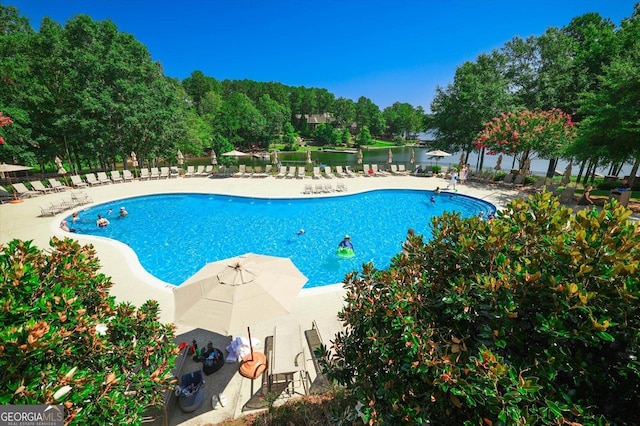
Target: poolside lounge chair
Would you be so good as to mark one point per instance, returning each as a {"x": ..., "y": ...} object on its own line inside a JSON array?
[
  {"x": 376, "y": 172},
  {"x": 403, "y": 170},
  {"x": 350, "y": 173},
  {"x": 154, "y": 173},
  {"x": 6, "y": 196},
  {"x": 394, "y": 169},
  {"x": 92, "y": 180},
  {"x": 81, "y": 197},
  {"x": 327, "y": 188},
  {"x": 103, "y": 178},
  {"x": 57, "y": 185},
  {"x": 242, "y": 169},
  {"x": 328, "y": 173},
  {"x": 317, "y": 188},
  {"x": 191, "y": 172},
  {"x": 164, "y": 173},
  {"x": 49, "y": 210},
  {"x": 301, "y": 173},
  {"x": 518, "y": 181},
  {"x": 316, "y": 173},
  {"x": 257, "y": 172},
  {"x": 287, "y": 360},
  {"x": 200, "y": 171},
  {"x": 38, "y": 186},
  {"x": 282, "y": 172},
  {"x": 292, "y": 172},
  {"x": 208, "y": 170},
  {"x": 127, "y": 175},
  {"x": 144, "y": 174},
  {"x": 340, "y": 172},
  {"x": 268, "y": 170},
  {"x": 77, "y": 182},
  {"x": 23, "y": 191},
  {"x": 341, "y": 187},
  {"x": 308, "y": 188},
  {"x": 115, "y": 177},
  {"x": 366, "y": 170},
  {"x": 508, "y": 179}
]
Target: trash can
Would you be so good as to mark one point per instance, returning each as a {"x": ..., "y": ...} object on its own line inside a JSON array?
[{"x": 621, "y": 197}]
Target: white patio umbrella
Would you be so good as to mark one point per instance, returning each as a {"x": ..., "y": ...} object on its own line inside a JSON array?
[
  {"x": 214, "y": 158},
  {"x": 389, "y": 156},
  {"x": 235, "y": 153},
  {"x": 229, "y": 295},
  {"x": 438, "y": 154},
  {"x": 5, "y": 171},
  {"x": 180, "y": 158}
]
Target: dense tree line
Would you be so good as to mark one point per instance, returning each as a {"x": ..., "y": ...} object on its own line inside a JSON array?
[
  {"x": 589, "y": 69},
  {"x": 90, "y": 94}
]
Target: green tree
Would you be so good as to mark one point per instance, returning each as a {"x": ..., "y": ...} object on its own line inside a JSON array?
[
  {"x": 343, "y": 112},
  {"x": 403, "y": 119},
  {"x": 290, "y": 138},
  {"x": 275, "y": 115},
  {"x": 364, "y": 137},
  {"x": 526, "y": 319},
  {"x": 65, "y": 340}
]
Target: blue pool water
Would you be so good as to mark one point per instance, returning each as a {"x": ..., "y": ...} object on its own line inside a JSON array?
[{"x": 177, "y": 234}]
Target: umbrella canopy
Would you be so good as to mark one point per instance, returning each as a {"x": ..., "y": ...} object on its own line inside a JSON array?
[
  {"x": 499, "y": 163},
  {"x": 308, "y": 156},
  {"x": 180, "y": 158},
  {"x": 274, "y": 157},
  {"x": 214, "y": 159},
  {"x": 228, "y": 295},
  {"x": 389, "y": 156},
  {"x": 412, "y": 157},
  {"x": 235, "y": 153},
  {"x": 134, "y": 159},
  {"x": 6, "y": 168},
  {"x": 438, "y": 153}
]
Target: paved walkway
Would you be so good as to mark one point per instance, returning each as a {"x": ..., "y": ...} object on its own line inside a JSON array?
[{"x": 133, "y": 284}]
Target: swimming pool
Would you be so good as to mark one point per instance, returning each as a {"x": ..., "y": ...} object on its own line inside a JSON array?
[{"x": 174, "y": 235}]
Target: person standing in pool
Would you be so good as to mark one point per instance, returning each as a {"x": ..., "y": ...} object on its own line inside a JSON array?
[{"x": 346, "y": 242}]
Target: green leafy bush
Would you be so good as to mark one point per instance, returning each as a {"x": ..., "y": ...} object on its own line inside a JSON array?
[
  {"x": 64, "y": 340},
  {"x": 531, "y": 318}
]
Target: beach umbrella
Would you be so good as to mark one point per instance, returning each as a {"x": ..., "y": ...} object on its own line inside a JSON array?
[
  {"x": 389, "y": 156},
  {"x": 567, "y": 174},
  {"x": 412, "y": 157},
  {"x": 228, "y": 295},
  {"x": 274, "y": 157},
  {"x": 134, "y": 159},
  {"x": 235, "y": 153},
  {"x": 308, "y": 156},
  {"x": 61, "y": 169},
  {"x": 214, "y": 159},
  {"x": 499, "y": 163},
  {"x": 438, "y": 154},
  {"x": 5, "y": 171},
  {"x": 180, "y": 158}
]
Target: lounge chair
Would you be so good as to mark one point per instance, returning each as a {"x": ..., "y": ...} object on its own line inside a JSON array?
[
  {"x": 57, "y": 185},
  {"x": 6, "y": 196},
  {"x": 77, "y": 182},
  {"x": 301, "y": 173},
  {"x": 518, "y": 181},
  {"x": 327, "y": 188},
  {"x": 200, "y": 171},
  {"x": 208, "y": 170},
  {"x": 287, "y": 359},
  {"x": 144, "y": 174},
  {"x": 402, "y": 170},
  {"x": 23, "y": 191},
  {"x": 92, "y": 180},
  {"x": 39, "y": 186},
  {"x": 154, "y": 173},
  {"x": 340, "y": 172},
  {"x": 242, "y": 169},
  {"x": 257, "y": 172},
  {"x": 316, "y": 173},
  {"x": 115, "y": 177},
  {"x": 81, "y": 198},
  {"x": 317, "y": 188},
  {"x": 191, "y": 172},
  {"x": 292, "y": 172},
  {"x": 164, "y": 173},
  {"x": 394, "y": 169},
  {"x": 48, "y": 210},
  {"x": 308, "y": 188},
  {"x": 268, "y": 170},
  {"x": 103, "y": 178},
  {"x": 191, "y": 392},
  {"x": 508, "y": 179},
  {"x": 350, "y": 173},
  {"x": 341, "y": 187},
  {"x": 366, "y": 170},
  {"x": 282, "y": 172},
  {"x": 248, "y": 172},
  {"x": 127, "y": 175},
  {"x": 328, "y": 173},
  {"x": 376, "y": 172}
]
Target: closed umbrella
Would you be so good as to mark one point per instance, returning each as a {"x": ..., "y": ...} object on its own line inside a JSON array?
[
  {"x": 389, "y": 156},
  {"x": 308, "y": 156},
  {"x": 180, "y": 158},
  {"x": 359, "y": 158},
  {"x": 499, "y": 163},
  {"x": 412, "y": 157},
  {"x": 567, "y": 174},
  {"x": 134, "y": 159},
  {"x": 214, "y": 158},
  {"x": 228, "y": 295},
  {"x": 274, "y": 157},
  {"x": 61, "y": 169}
]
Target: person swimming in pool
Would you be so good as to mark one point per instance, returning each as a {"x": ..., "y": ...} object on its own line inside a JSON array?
[
  {"x": 433, "y": 199},
  {"x": 346, "y": 242},
  {"x": 102, "y": 221},
  {"x": 300, "y": 232}
]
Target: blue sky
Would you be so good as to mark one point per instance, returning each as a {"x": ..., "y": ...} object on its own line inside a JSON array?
[{"x": 386, "y": 50}]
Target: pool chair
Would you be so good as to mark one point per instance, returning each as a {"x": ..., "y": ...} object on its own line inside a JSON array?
[
  {"x": 155, "y": 173},
  {"x": 57, "y": 185},
  {"x": 23, "y": 191},
  {"x": 350, "y": 173},
  {"x": 127, "y": 176},
  {"x": 77, "y": 182},
  {"x": 191, "y": 391},
  {"x": 316, "y": 173},
  {"x": 191, "y": 172},
  {"x": 292, "y": 172},
  {"x": 242, "y": 169},
  {"x": 164, "y": 173},
  {"x": 340, "y": 172},
  {"x": 39, "y": 186},
  {"x": 115, "y": 176},
  {"x": 328, "y": 173},
  {"x": 144, "y": 174},
  {"x": 301, "y": 173},
  {"x": 103, "y": 178},
  {"x": 282, "y": 172},
  {"x": 92, "y": 180}
]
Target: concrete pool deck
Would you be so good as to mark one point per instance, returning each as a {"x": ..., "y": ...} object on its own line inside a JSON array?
[{"x": 131, "y": 283}]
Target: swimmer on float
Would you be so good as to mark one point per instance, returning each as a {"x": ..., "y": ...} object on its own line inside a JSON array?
[
  {"x": 345, "y": 248},
  {"x": 102, "y": 221}
]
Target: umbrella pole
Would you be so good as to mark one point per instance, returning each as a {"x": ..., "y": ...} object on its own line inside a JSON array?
[{"x": 250, "y": 344}]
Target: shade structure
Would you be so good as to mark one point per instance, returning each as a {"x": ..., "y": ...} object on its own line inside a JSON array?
[
  {"x": 180, "y": 158},
  {"x": 308, "y": 156},
  {"x": 274, "y": 157},
  {"x": 235, "y": 153},
  {"x": 438, "y": 153},
  {"x": 7, "y": 168},
  {"x": 359, "y": 156},
  {"x": 214, "y": 158},
  {"x": 499, "y": 163},
  {"x": 412, "y": 157},
  {"x": 228, "y": 295},
  {"x": 389, "y": 156}
]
